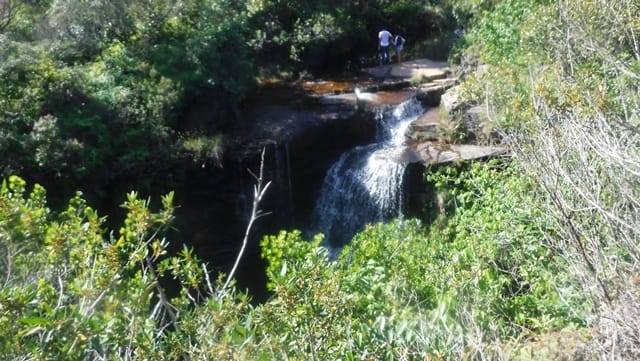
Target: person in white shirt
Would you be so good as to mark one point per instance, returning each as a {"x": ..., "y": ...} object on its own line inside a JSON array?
[{"x": 385, "y": 38}]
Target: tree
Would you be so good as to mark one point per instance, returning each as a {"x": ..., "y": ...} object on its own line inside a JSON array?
[
  {"x": 71, "y": 292},
  {"x": 8, "y": 9},
  {"x": 88, "y": 25}
]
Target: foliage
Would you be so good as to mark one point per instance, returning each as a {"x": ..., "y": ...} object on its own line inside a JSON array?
[
  {"x": 499, "y": 31},
  {"x": 68, "y": 291},
  {"x": 402, "y": 289},
  {"x": 72, "y": 291},
  {"x": 62, "y": 126},
  {"x": 86, "y": 26},
  {"x": 498, "y": 206},
  {"x": 567, "y": 99},
  {"x": 203, "y": 149},
  {"x": 399, "y": 290},
  {"x": 27, "y": 81},
  {"x": 22, "y": 18},
  {"x": 93, "y": 100},
  {"x": 93, "y": 93},
  {"x": 318, "y": 36}
]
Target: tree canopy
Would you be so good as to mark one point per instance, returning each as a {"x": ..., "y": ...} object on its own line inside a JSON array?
[
  {"x": 532, "y": 255},
  {"x": 93, "y": 91}
]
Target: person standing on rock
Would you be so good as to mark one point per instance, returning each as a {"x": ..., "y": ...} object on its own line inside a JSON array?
[
  {"x": 384, "y": 40},
  {"x": 398, "y": 42}
]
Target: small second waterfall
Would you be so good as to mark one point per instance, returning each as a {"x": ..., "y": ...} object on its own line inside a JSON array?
[{"x": 365, "y": 184}]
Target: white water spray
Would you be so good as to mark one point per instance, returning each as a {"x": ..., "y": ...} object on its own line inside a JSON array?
[
  {"x": 365, "y": 184},
  {"x": 360, "y": 95}
]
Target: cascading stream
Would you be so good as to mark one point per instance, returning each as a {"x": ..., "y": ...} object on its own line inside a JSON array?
[{"x": 365, "y": 184}]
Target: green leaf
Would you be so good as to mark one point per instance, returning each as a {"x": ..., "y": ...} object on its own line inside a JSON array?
[{"x": 35, "y": 321}]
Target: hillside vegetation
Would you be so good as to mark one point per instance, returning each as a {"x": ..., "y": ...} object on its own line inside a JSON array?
[
  {"x": 532, "y": 257},
  {"x": 94, "y": 93}
]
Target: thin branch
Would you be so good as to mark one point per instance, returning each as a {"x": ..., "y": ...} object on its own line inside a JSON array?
[
  {"x": 206, "y": 276},
  {"x": 258, "y": 192},
  {"x": 163, "y": 296}
]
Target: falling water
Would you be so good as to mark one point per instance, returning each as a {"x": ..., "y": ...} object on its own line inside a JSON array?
[{"x": 365, "y": 184}]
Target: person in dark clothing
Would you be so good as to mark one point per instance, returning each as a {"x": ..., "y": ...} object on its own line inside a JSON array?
[{"x": 398, "y": 42}]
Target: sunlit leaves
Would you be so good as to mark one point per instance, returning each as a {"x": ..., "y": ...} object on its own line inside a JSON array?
[
  {"x": 404, "y": 286},
  {"x": 399, "y": 289},
  {"x": 84, "y": 292},
  {"x": 88, "y": 24},
  {"x": 497, "y": 241},
  {"x": 499, "y": 30}
]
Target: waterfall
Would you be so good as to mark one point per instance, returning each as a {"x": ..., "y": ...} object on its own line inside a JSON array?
[
  {"x": 282, "y": 176},
  {"x": 365, "y": 184}
]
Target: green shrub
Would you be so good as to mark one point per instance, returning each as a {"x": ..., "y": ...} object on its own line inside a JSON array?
[
  {"x": 72, "y": 292},
  {"x": 405, "y": 289},
  {"x": 400, "y": 290},
  {"x": 499, "y": 31}
]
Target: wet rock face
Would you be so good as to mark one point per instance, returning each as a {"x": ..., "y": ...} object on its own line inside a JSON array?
[
  {"x": 314, "y": 151},
  {"x": 303, "y": 128},
  {"x": 301, "y": 141},
  {"x": 303, "y": 134}
]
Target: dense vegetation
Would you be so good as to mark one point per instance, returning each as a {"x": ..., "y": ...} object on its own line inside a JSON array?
[
  {"x": 99, "y": 92},
  {"x": 521, "y": 254}
]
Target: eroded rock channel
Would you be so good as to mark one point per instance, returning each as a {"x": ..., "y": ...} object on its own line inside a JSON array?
[{"x": 304, "y": 129}]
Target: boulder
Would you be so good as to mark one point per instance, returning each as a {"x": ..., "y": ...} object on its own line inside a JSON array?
[
  {"x": 472, "y": 118},
  {"x": 426, "y": 127}
]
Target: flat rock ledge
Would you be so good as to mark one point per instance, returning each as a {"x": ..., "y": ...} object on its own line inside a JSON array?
[
  {"x": 417, "y": 70},
  {"x": 425, "y": 145},
  {"x": 428, "y": 81},
  {"x": 425, "y": 79},
  {"x": 340, "y": 103},
  {"x": 433, "y": 152}
]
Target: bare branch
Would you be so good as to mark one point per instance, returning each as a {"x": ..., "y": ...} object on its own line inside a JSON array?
[
  {"x": 169, "y": 308},
  {"x": 206, "y": 277},
  {"x": 259, "y": 192}
]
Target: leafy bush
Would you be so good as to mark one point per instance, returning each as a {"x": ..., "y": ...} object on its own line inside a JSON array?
[
  {"x": 494, "y": 214},
  {"x": 27, "y": 81},
  {"x": 499, "y": 31},
  {"x": 69, "y": 292},
  {"x": 567, "y": 99},
  {"x": 405, "y": 289},
  {"x": 399, "y": 290},
  {"x": 203, "y": 149}
]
